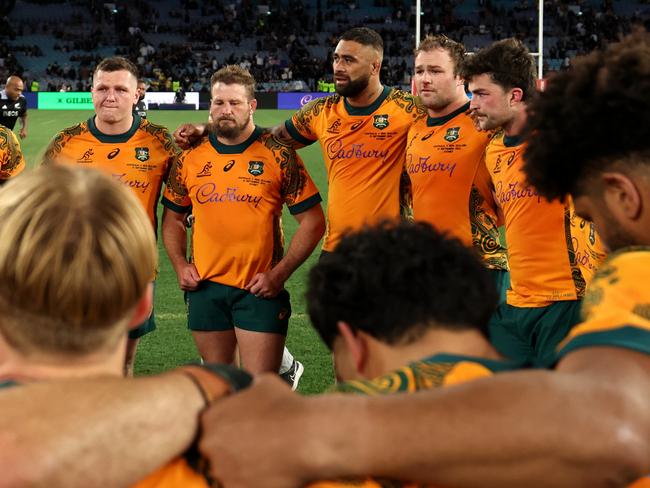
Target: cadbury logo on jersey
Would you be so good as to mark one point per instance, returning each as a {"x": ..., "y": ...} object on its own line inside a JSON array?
[
  {"x": 113, "y": 153},
  {"x": 205, "y": 171},
  {"x": 255, "y": 168},
  {"x": 381, "y": 121},
  {"x": 142, "y": 154}
]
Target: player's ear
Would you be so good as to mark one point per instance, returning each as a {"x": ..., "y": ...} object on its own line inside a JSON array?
[
  {"x": 355, "y": 344},
  {"x": 622, "y": 197},
  {"x": 253, "y": 105},
  {"x": 143, "y": 308},
  {"x": 516, "y": 95}
]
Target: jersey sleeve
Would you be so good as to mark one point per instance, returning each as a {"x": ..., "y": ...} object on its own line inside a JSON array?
[
  {"x": 298, "y": 190},
  {"x": 302, "y": 126},
  {"x": 12, "y": 161},
  {"x": 176, "y": 196},
  {"x": 616, "y": 308}
]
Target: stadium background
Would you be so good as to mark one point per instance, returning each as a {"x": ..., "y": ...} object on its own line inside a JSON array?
[{"x": 54, "y": 45}]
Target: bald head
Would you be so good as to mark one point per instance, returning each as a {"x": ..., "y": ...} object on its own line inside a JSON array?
[{"x": 14, "y": 87}]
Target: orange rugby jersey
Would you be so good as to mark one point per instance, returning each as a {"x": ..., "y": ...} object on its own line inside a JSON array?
[
  {"x": 552, "y": 252},
  {"x": 236, "y": 194},
  {"x": 451, "y": 187},
  {"x": 363, "y": 149},
  {"x": 139, "y": 158},
  {"x": 616, "y": 308},
  {"x": 175, "y": 474},
  {"x": 12, "y": 161}
]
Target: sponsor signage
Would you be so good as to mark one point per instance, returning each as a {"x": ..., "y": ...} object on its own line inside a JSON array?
[
  {"x": 295, "y": 100},
  {"x": 83, "y": 100}
]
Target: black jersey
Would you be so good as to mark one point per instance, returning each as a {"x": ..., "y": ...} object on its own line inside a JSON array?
[
  {"x": 140, "y": 108},
  {"x": 10, "y": 110}
]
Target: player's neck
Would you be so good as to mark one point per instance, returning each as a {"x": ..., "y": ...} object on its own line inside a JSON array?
[
  {"x": 515, "y": 126},
  {"x": 117, "y": 128},
  {"x": 458, "y": 103},
  {"x": 242, "y": 137},
  {"x": 41, "y": 366},
  {"x": 385, "y": 358},
  {"x": 372, "y": 92}
]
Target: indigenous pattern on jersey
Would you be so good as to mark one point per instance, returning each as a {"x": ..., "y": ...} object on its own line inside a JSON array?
[
  {"x": 616, "y": 308},
  {"x": 552, "y": 252},
  {"x": 450, "y": 184},
  {"x": 432, "y": 372},
  {"x": 12, "y": 161},
  {"x": 10, "y": 110},
  {"x": 139, "y": 159},
  {"x": 364, "y": 150},
  {"x": 236, "y": 195}
]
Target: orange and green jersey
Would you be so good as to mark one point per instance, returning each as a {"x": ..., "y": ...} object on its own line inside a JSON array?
[
  {"x": 616, "y": 308},
  {"x": 450, "y": 185},
  {"x": 552, "y": 253},
  {"x": 364, "y": 150},
  {"x": 12, "y": 161},
  {"x": 436, "y": 371},
  {"x": 236, "y": 195},
  {"x": 139, "y": 159}
]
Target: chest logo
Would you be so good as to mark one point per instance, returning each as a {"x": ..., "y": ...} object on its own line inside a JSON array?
[
  {"x": 206, "y": 170},
  {"x": 255, "y": 168},
  {"x": 142, "y": 154},
  {"x": 452, "y": 134},
  {"x": 228, "y": 165},
  {"x": 335, "y": 128},
  {"x": 381, "y": 121},
  {"x": 113, "y": 153}
]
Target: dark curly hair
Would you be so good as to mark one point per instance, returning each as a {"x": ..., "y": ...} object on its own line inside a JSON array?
[
  {"x": 364, "y": 36},
  {"x": 509, "y": 64},
  {"x": 591, "y": 117},
  {"x": 396, "y": 281}
]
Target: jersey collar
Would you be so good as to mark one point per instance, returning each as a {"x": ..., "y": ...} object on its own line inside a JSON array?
[
  {"x": 436, "y": 121},
  {"x": 113, "y": 138},
  {"x": 367, "y": 110},
  {"x": 236, "y": 148},
  {"x": 512, "y": 141}
]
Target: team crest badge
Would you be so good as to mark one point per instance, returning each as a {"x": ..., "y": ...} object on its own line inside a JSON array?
[
  {"x": 255, "y": 168},
  {"x": 452, "y": 134},
  {"x": 381, "y": 121},
  {"x": 142, "y": 154}
]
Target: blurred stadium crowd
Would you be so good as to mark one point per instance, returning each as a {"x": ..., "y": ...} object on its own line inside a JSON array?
[{"x": 286, "y": 44}]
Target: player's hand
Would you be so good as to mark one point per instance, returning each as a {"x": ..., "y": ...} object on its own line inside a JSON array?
[
  {"x": 256, "y": 435},
  {"x": 188, "y": 277},
  {"x": 188, "y": 134},
  {"x": 22, "y": 133},
  {"x": 265, "y": 285}
]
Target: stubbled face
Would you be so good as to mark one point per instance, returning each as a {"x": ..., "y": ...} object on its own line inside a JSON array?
[
  {"x": 489, "y": 104},
  {"x": 14, "y": 88},
  {"x": 435, "y": 81},
  {"x": 353, "y": 67},
  {"x": 114, "y": 93},
  {"x": 230, "y": 110},
  {"x": 614, "y": 236}
]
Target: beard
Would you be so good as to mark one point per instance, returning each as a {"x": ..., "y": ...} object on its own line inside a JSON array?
[
  {"x": 228, "y": 131},
  {"x": 614, "y": 236},
  {"x": 353, "y": 88}
]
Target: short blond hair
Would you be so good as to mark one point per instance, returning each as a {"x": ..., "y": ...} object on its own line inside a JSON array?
[
  {"x": 77, "y": 253},
  {"x": 233, "y": 74}
]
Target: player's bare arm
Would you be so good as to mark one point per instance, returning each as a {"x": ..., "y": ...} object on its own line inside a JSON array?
[
  {"x": 187, "y": 134},
  {"x": 175, "y": 240},
  {"x": 489, "y": 433},
  {"x": 23, "y": 128},
  {"x": 311, "y": 227},
  {"x": 113, "y": 434}
]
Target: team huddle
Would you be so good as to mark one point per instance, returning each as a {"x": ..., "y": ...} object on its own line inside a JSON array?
[{"x": 524, "y": 356}]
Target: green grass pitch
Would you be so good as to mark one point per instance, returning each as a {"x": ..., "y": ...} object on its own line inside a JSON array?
[{"x": 171, "y": 344}]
